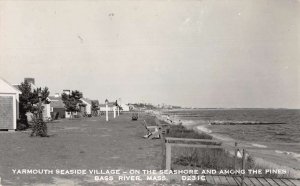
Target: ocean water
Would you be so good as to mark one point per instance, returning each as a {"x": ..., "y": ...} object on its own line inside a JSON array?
[{"x": 261, "y": 133}]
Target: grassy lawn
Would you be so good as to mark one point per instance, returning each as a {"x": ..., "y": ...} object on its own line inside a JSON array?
[{"x": 89, "y": 143}]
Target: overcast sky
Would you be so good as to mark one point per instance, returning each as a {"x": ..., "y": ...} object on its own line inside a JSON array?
[{"x": 222, "y": 53}]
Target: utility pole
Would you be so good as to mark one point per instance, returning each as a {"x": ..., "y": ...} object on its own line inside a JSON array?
[{"x": 106, "y": 103}]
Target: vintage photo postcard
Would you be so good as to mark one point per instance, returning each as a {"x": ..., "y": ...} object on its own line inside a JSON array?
[{"x": 149, "y": 92}]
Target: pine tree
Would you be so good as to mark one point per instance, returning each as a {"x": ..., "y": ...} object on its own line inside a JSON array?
[
  {"x": 95, "y": 108},
  {"x": 29, "y": 99},
  {"x": 25, "y": 102}
]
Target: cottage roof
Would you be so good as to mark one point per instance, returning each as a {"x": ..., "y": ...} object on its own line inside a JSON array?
[
  {"x": 16, "y": 86},
  {"x": 86, "y": 100},
  {"x": 6, "y": 87}
]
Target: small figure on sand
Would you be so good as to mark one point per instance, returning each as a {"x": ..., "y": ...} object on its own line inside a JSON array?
[{"x": 239, "y": 154}]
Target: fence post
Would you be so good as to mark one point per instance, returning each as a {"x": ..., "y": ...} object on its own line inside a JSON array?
[
  {"x": 243, "y": 166},
  {"x": 235, "y": 154},
  {"x": 163, "y": 145},
  {"x": 168, "y": 156}
]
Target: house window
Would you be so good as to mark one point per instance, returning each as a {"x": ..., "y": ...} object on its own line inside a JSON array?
[{"x": 51, "y": 109}]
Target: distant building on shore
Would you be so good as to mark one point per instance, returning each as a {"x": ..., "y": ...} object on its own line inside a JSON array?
[{"x": 125, "y": 107}]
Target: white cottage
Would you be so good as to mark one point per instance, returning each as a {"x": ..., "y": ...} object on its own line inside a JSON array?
[
  {"x": 9, "y": 106},
  {"x": 88, "y": 103},
  {"x": 125, "y": 107}
]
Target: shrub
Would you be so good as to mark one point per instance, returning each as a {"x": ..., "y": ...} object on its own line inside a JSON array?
[
  {"x": 205, "y": 158},
  {"x": 201, "y": 158},
  {"x": 179, "y": 131},
  {"x": 39, "y": 128},
  {"x": 22, "y": 124}
]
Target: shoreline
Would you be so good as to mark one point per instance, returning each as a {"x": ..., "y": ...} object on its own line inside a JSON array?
[
  {"x": 260, "y": 159},
  {"x": 269, "y": 159}
]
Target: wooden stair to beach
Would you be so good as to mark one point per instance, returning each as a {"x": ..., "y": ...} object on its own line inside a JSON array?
[{"x": 253, "y": 181}]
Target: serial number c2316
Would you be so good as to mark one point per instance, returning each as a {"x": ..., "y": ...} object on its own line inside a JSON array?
[{"x": 193, "y": 178}]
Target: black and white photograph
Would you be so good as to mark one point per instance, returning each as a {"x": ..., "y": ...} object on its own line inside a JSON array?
[{"x": 150, "y": 92}]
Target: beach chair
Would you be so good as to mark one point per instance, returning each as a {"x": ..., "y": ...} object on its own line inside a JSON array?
[
  {"x": 156, "y": 132},
  {"x": 153, "y": 132}
]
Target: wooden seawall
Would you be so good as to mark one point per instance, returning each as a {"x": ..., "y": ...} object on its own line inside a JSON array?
[{"x": 253, "y": 181}]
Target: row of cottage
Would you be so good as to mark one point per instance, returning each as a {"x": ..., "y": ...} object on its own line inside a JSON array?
[{"x": 9, "y": 105}]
